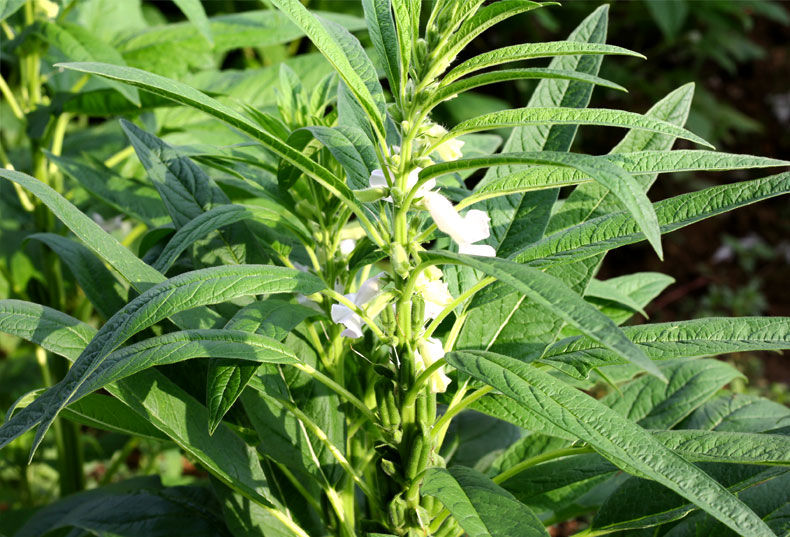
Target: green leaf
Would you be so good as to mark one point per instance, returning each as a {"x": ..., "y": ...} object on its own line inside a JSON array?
[
  {"x": 770, "y": 499},
  {"x": 655, "y": 405},
  {"x": 352, "y": 149},
  {"x": 77, "y": 44},
  {"x": 110, "y": 414},
  {"x": 602, "y": 117},
  {"x": 189, "y": 96},
  {"x": 661, "y": 506},
  {"x": 138, "y": 273},
  {"x": 192, "y": 289},
  {"x": 384, "y": 34},
  {"x": 738, "y": 412},
  {"x": 480, "y": 507},
  {"x": 336, "y": 44},
  {"x": 98, "y": 283},
  {"x": 482, "y": 21},
  {"x": 612, "y": 231},
  {"x": 553, "y": 295},
  {"x": 577, "y": 356},
  {"x": 55, "y": 331},
  {"x": 9, "y": 7},
  {"x": 591, "y": 200},
  {"x": 157, "y": 399},
  {"x": 641, "y": 162},
  {"x": 604, "y": 290},
  {"x": 729, "y": 447},
  {"x": 505, "y": 75},
  {"x": 127, "y": 196},
  {"x": 640, "y": 288},
  {"x": 621, "y": 441},
  {"x": 188, "y": 192},
  {"x": 121, "y": 509},
  {"x": 220, "y": 216},
  {"x": 515, "y": 323},
  {"x": 227, "y": 380},
  {"x": 194, "y": 11},
  {"x": 611, "y": 175},
  {"x": 669, "y": 15},
  {"x": 530, "y": 51}
]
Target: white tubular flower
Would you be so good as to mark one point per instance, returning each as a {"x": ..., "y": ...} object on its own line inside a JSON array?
[
  {"x": 464, "y": 230},
  {"x": 433, "y": 291},
  {"x": 447, "y": 150},
  {"x": 378, "y": 179},
  {"x": 342, "y": 314},
  {"x": 428, "y": 351}
]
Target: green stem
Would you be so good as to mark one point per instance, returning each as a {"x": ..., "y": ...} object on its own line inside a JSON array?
[
  {"x": 453, "y": 410},
  {"x": 533, "y": 461}
]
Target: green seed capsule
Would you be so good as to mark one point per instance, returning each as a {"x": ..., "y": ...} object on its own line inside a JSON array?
[{"x": 417, "y": 313}]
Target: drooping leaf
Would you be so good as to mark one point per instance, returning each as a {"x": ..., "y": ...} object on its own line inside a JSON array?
[
  {"x": 197, "y": 288},
  {"x": 384, "y": 34},
  {"x": 227, "y": 379},
  {"x": 577, "y": 356},
  {"x": 619, "y": 440},
  {"x": 98, "y": 283},
  {"x": 553, "y": 295},
  {"x": 194, "y": 11}
]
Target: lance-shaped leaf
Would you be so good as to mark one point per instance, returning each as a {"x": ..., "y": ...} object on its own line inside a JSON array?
[
  {"x": 96, "y": 281},
  {"x": 602, "y": 117},
  {"x": 189, "y": 96},
  {"x": 351, "y": 149},
  {"x": 615, "y": 178},
  {"x": 481, "y": 508},
  {"x": 138, "y": 273},
  {"x": 226, "y": 379},
  {"x": 352, "y": 69},
  {"x": 655, "y": 405},
  {"x": 612, "y": 231},
  {"x": 384, "y": 34},
  {"x": 738, "y": 412},
  {"x": 506, "y": 75},
  {"x": 621, "y": 441},
  {"x": 127, "y": 196},
  {"x": 223, "y": 215},
  {"x": 528, "y": 51},
  {"x": 553, "y": 295},
  {"x": 194, "y": 11},
  {"x": 577, "y": 356},
  {"x": 591, "y": 200},
  {"x": 186, "y": 291},
  {"x": 157, "y": 399},
  {"x": 481, "y": 21},
  {"x": 641, "y": 162},
  {"x": 78, "y": 44},
  {"x": 110, "y": 414}
]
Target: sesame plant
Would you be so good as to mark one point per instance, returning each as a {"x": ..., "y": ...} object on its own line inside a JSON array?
[{"x": 357, "y": 321}]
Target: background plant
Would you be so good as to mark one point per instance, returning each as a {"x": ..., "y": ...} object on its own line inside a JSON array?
[{"x": 347, "y": 409}]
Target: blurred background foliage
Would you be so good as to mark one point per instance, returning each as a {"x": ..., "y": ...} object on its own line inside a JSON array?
[{"x": 735, "y": 50}]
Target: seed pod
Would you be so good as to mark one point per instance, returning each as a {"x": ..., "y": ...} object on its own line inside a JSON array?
[
  {"x": 417, "y": 313},
  {"x": 388, "y": 321},
  {"x": 420, "y": 451},
  {"x": 397, "y": 511}
]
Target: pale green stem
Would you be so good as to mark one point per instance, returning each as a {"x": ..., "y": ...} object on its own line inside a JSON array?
[
  {"x": 533, "y": 461},
  {"x": 453, "y": 410},
  {"x": 9, "y": 97}
]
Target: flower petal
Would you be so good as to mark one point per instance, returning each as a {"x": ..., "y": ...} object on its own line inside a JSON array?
[
  {"x": 482, "y": 250},
  {"x": 476, "y": 226}
]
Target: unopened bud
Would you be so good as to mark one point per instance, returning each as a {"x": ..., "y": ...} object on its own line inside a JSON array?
[{"x": 370, "y": 194}]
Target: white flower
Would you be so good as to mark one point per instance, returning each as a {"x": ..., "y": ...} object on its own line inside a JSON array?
[
  {"x": 428, "y": 351},
  {"x": 378, "y": 179},
  {"x": 447, "y": 150},
  {"x": 347, "y": 246},
  {"x": 464, "y": 230},
  {"x": 433, "y": 291},
  {"x": 342, "y": 314}
]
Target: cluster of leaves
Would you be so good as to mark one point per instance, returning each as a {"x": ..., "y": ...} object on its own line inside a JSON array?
[{"x": 216, "y": 312}]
